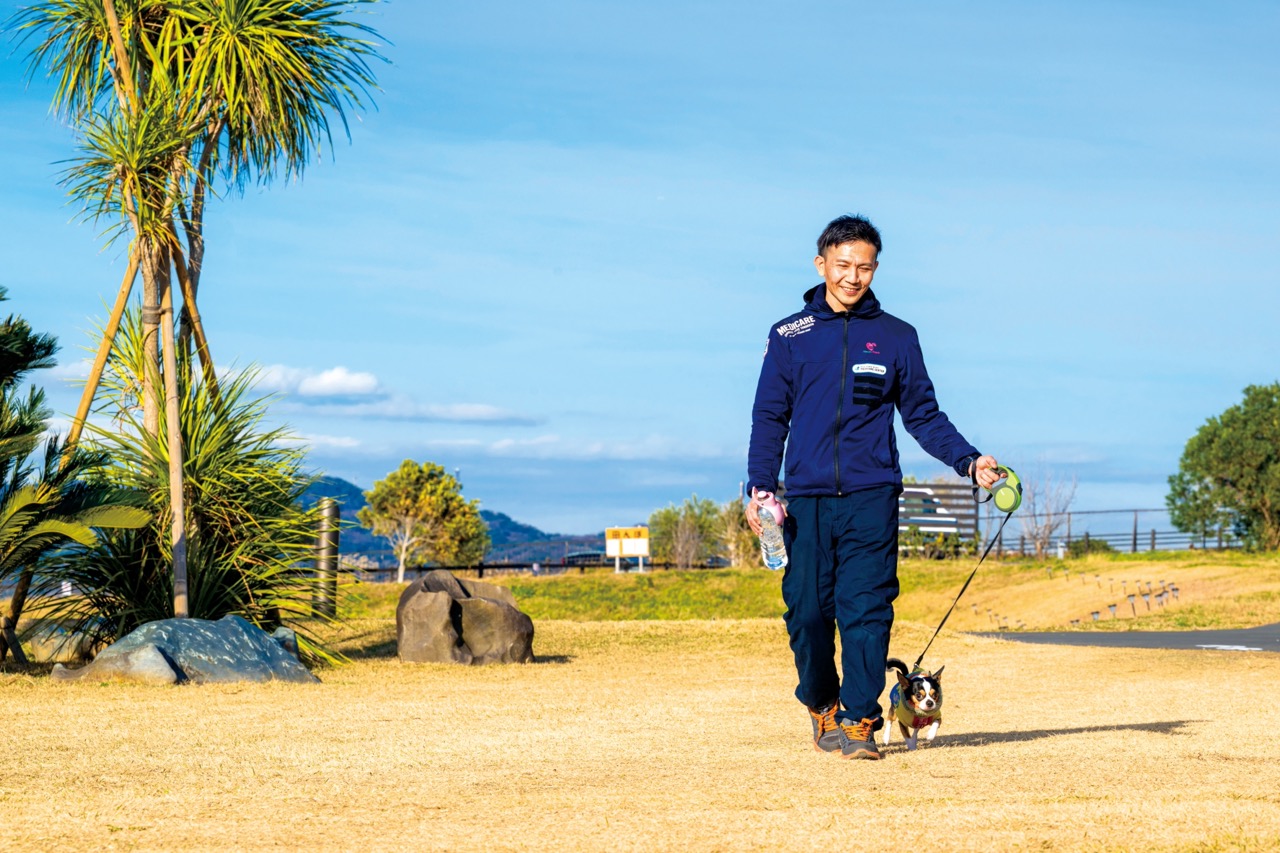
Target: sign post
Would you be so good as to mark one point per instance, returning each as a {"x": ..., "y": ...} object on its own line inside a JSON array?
[{"x": 622, "y": 542}]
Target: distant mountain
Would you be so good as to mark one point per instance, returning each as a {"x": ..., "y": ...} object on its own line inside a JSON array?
[
  {"x": 504, "y": 531},
  {"x": 511, "y": 541}
]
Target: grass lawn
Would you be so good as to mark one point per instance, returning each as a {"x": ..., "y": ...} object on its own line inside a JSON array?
[
  {"x": 649, "y": 735},
  {"x": 648, "y": 725}
]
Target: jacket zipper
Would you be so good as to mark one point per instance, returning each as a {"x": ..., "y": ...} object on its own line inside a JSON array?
[{"x": 844, "y": 366}]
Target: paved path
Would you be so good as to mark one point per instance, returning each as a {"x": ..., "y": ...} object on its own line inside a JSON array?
[{"x": 1263, "y": 639}]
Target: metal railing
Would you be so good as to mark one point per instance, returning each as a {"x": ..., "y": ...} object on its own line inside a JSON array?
[{"x": 1124, "y": 530}]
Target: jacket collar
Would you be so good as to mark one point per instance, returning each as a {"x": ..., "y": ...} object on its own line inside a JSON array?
[{"x": 815, "y": 302}]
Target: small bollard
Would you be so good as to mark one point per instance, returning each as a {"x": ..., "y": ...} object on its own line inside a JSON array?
[
  {"x": 1132, "y": 599},
  {"x": 1112, "y": 608},
  {"x": 1095, "y": 614},
  {"x": 1146, "y": 597},
  {"x": 1174, "y": 589}
]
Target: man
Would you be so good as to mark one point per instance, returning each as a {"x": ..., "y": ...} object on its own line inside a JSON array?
[{"x": 832, "y": 375}]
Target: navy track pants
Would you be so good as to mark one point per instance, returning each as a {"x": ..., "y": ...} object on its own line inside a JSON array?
[{"x": 842, "y": 571}]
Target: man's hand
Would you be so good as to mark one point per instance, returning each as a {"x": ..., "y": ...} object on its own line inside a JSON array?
[
  {"x": 753, "y": 513},
  {"x": 985, "y": 467}
]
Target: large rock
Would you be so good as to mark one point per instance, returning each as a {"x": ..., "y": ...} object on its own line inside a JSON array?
[
  {"x": 172, "y": 651},
  {"x": 443, "y": 619}
]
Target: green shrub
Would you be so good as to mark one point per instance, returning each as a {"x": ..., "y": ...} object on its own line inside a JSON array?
[{"x": 1095, "y": 546}]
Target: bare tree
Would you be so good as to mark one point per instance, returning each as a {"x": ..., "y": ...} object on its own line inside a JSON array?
[
  {"x": 689, "y": 541},
  {"x": 1045, "y": 503}
]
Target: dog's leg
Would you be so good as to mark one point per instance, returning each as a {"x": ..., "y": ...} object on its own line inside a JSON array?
[
  {"x": 911, "y": 737},
  {"x": 933, "y": 731}
]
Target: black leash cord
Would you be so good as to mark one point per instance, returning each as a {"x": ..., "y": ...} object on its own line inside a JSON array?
[{"x": 1000, "y": 530}]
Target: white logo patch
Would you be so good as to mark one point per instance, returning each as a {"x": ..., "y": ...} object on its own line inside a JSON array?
[
  {"x": 796, "y": 327},
  {"x": 877, "y": 369}
]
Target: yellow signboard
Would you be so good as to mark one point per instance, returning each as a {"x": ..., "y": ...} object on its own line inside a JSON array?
[
  {"x": 626, "y": 533},
  {"x": 626, "y": 541}
]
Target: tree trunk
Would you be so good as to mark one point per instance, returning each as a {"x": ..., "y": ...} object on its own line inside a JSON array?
[
  {"x": 189, "y": 322},
  {"x": 173, "y": 430},
  {"x": 191, "y": 314},
  {"x": 154, "y": 275},
  {"x": 11, "y": 641}
]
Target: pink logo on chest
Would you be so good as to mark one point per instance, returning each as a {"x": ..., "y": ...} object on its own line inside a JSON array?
[{"x": 871, "y": 348}]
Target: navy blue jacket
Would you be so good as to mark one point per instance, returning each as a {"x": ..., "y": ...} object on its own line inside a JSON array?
[{"x": 827, "y": 391}]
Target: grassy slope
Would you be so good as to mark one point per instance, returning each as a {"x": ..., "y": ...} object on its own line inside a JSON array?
[{"x": 1216, "y": 590}]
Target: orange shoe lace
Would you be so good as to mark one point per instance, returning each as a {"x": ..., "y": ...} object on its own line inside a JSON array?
[
  {"x": 826, "y": 719},
  {"x": 858, "y": 731}
]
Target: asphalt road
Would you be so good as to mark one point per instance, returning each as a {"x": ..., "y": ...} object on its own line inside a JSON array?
[{"x": 1263, "y": 639}]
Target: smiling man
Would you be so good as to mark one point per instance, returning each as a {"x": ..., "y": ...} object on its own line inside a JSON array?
[{"x": 833, "y": 375}]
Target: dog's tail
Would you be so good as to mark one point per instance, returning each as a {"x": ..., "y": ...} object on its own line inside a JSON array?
[{"x": 894, "y": 663}]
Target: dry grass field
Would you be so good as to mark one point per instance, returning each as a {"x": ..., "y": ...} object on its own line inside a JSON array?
[{"x": 651, "y": 735}]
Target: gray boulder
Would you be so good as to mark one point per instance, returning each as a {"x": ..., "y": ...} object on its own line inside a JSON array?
[
  {"x": 200, "y": 651},
  {"x": 444, "y": 619}
]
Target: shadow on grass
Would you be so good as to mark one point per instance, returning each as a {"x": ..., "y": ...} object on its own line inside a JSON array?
[
  {"x": 1171, "y": 727},
  {"x": 36, "y": 670}
]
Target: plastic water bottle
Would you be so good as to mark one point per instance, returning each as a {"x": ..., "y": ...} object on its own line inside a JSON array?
[{"x": 772, "y": 548}]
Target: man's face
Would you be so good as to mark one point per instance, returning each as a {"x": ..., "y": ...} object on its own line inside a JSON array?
[{"x": 847, "y": 269}]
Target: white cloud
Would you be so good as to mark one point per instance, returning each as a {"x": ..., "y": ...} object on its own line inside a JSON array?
[
  {"x": 72, "y": 371},
  {"x": 306, "y": 382},
  {"x": 338, "y": 381},
  {"x": 404, "y": 409},
  {"x": 325, "y": 442},
  {"x": 344, "y": 393},
  {"x": 555, "y": 447}
]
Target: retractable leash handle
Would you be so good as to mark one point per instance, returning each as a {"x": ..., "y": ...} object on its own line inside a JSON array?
[{"x": 1007, "y": 495}]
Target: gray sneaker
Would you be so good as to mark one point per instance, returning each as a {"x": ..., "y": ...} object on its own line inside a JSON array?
[
  {"x": 826, "y": 734},
  {"x": 858, "y": 740}
]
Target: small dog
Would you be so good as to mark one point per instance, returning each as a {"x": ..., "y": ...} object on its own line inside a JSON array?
[{"x": 914, "y": 703}]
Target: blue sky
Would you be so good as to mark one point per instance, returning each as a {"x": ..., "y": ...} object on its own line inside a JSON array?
[{"x": 551, "y": 255}]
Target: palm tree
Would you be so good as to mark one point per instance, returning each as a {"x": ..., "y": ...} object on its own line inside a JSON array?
[
  {"x": 171, "y": 96},
  {"x": 44, "y": 509}
]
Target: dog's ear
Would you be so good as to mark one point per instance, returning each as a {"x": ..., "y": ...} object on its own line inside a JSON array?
[
  {"x": 903, "y": 681},
  {"x": 938, "y": 674}
]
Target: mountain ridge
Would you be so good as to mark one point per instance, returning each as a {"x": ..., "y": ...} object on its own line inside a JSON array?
[{"x": 510, "y": 541}]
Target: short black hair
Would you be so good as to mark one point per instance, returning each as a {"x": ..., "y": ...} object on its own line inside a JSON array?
[{"x": 848, "y": 229}]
